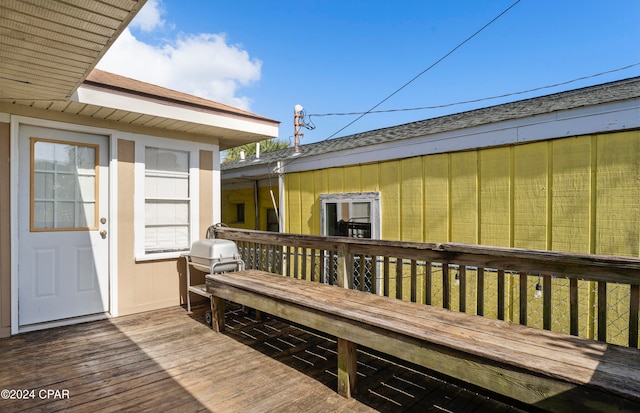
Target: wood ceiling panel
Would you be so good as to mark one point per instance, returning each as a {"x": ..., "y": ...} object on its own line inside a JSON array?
[
  {"x": 103, "y": 113},
  {"x": 109, "y": 20},
  {"x": 64, "y": 29},
  {"x": 28, "y": 43},
  {"x": 131, "y": 117},
  {"x": 59, "y": 106},
  {"x": 142, "y": 120},
  {"x": 89, "y": 110},
  {"x": 39, "y": 71},
  {"x": 118, "y": 9}
]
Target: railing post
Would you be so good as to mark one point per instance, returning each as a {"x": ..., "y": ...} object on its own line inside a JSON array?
[{"x": 345, "y": 266}]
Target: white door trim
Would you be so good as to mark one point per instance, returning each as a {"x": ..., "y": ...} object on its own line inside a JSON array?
[{"x": 16, "y": 122}]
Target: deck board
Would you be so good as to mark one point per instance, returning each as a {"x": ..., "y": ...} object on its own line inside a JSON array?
[{"x": 170, "y": 361}]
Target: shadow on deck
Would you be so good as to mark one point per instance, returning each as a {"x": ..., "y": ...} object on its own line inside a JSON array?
[{"x": 167, "y": 360}]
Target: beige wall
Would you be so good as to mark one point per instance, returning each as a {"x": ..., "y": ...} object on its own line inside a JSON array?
[
  {"x": 141, "y": 286},
  {"x": 5, "y": 232},
  {"x": 150, "y": 285}
]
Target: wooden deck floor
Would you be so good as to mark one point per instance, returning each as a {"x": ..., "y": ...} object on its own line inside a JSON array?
[{"x": 169, "y": 361}]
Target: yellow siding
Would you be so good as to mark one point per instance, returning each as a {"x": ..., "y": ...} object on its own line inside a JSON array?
[
  {"x": 571, "y": 192},
  {"x": 229, "y": 214},
  {"x": 436, "y": 194},
  {"x": 495, "y": 195},
  {"x": 577, "y": 194},
  {"x": 352, "y": 181},
  {"x": 618, "y": 193},
  {"x": 530, "y": 195},
  {"x": 320, "y": 186},
  {"x": 390, "y": 202},
  {"x": 335, "y": 178},
  {"x": 295, "y": 212},
  {"x": 463, "y": 205},
  {"x": 231, "y": 197},
  {"x": 370, "y": 179},
  {"x": 411, "y": 200},
  {"x": 307, "y": 199}
]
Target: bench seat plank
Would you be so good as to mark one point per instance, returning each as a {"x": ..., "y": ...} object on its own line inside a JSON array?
[{"x": 459, "y": 344}]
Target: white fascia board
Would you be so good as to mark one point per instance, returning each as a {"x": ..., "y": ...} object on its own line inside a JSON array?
[
  {"x": 250, "y": 171},
  {"x": 576, "y": 122},
  {"x": 250, "y": 183},
  {"x": 92, "y": 96}
]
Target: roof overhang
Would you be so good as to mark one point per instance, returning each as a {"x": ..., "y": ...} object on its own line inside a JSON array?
[
  {"x": 48, "y": 52},
  {"x": 49, "y": 47}
]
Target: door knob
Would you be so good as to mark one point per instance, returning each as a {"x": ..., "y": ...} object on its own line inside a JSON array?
[{"x": 103, "y": 234}]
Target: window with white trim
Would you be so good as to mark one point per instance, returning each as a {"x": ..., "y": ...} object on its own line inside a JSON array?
[
  {"x": 166, "y": 199},
  {"x": 355, "y": 214}
]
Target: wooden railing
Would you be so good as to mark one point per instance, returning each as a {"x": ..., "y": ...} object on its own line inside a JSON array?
[{"x": 592, "y": 296}]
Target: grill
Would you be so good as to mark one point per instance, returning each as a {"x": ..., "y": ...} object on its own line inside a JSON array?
[
  {"x": 215, "y": 255},
  {"x": 211, "y": 256}
]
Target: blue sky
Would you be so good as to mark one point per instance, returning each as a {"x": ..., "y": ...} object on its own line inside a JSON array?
[{"x": 342, "y": 56}]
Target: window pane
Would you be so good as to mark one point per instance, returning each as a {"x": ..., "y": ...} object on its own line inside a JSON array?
[
  {"x": 167, "y": 212},
  {"x": 166, "y": 188},
  {"x": 165, "y": 239},
  {"x": 87, "y": 188},
  {"x": 86, "y": 160},
  {"x": 87, "y": 214},
  {"x": 65, "y": 157},
  {"x": 57, "y": 178},
  {"x": 65, "y": 214},
  {"x": 66, "y": 187},
  {"x": 166, "y": 160},
  {"x": 44, "y": 156},
  {"x": 361, "y": 212},
  {"x": 43, "y": 185},
  {"x": 332, "y": 218},
  {"x": 43, "y": 214},
  {"x": 350, "y": 214}
]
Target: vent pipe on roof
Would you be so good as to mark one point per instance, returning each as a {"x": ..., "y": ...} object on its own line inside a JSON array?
[
  {"x": 242, "y": 155},
  {"x": 257, "y": 151}
]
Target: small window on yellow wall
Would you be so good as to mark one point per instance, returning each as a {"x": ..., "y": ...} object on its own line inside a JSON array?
[
  {"x": 239, "y": 212},
  {"x": 64, "y": 185}
]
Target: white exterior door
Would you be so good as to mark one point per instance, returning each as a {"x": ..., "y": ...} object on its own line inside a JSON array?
[{"x": 63, "y": 222}]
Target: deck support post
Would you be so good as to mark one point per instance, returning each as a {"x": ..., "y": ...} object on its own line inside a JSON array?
[
  {"x": 347, "y": 366},
  {"x": 217, "y": 313}
]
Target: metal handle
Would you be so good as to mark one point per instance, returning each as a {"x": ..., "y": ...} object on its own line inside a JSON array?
[{"x": 103, "y": 234}]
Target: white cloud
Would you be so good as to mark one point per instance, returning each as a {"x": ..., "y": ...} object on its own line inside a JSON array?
[
  {"x": 204, "y": 65},
  {"x": 149, "y": 17}
]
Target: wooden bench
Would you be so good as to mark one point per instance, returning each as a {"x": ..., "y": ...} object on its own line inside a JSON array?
[{"x": 553, "y": 371}]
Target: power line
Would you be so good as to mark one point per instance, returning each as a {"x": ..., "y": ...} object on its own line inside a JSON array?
[
  {"x": 480, "y": 99},
  {"x": 427, "y": 69}
]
